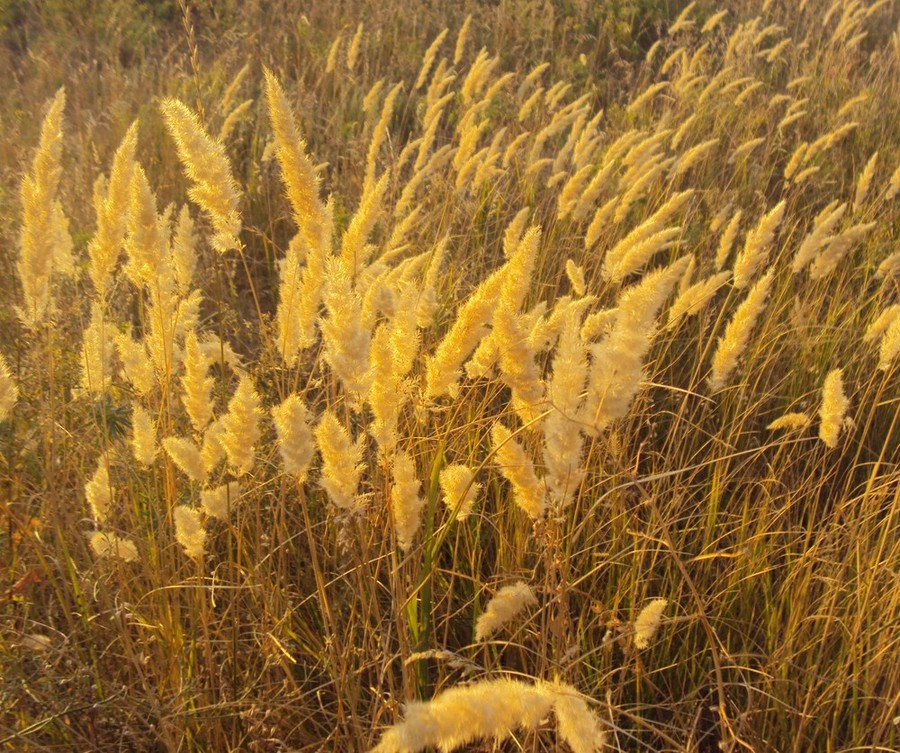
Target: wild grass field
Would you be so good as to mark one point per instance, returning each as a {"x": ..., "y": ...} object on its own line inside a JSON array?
[{"x": 510, "y": 376}]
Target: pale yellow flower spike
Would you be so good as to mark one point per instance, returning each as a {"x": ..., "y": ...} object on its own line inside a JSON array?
[
  {"x": 647, "y": 622},
  {"x": 241, "y": 427},
  {"x": 459, "y": 488},
  {"x": 108, "y": 545},
  {"x": 834, "y": 408},
  {"x": 41, "y": 218},
  {"x": 406, "y": 502},
  {"x": 189, "y": 531},
  {"x": 342, "y": 464},
  {"x": 493, "y": 709},
  {"x": 297, "y": 170},
  {"x": 9, "y": 392},
  {"x": 112, "y": 214},
  {"x": 204, "y": 160},
  {"x": 295, "y": 440},
  {"x": 143, "y": 440},
  {"x": 507, "y": 603},
  {"x": 517, "y": 468},
  {"x": 98, "y": 492},
  {"x": 737, "y": 334}
]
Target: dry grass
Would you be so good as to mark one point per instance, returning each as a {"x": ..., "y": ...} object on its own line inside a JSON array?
[{"x": 284, "y": 410}]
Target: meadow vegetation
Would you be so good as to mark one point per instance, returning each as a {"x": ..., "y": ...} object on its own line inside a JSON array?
[{"x": 509, "y": 376}]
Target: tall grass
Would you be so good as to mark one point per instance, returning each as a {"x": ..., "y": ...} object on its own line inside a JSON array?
[{"x": 402, "y": 380}]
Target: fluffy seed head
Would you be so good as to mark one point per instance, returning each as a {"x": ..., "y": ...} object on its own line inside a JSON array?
[
  {"x": 647, "y": 622},
  {"x": 109, "y": 545},
  {"x": 459, "y": 488},
  {"x": 517, "y": 468},
  {"x": 98, "y": 492},
  {"x": 143, "y": 437},
  {"x": 508, "y": 602},
  {"x": 295, "y": 441},
  {"x": 406, "y": 503},
  {"x": 206, "y": 164},
  {"x": 342, "y": 464},
  {"x": 241, "y": 427},
  {"x": 218, "y": 502},
  {"x": 834, "y": 408},
  {"x": 189, "y": 531},
  {"x": 9, "y": 392},
  {"x": 186, "y": 455}
]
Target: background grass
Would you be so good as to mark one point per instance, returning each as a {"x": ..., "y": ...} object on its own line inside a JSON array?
[{"x": 779, "y": 557}]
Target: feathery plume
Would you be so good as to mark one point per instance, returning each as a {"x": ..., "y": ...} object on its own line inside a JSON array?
[
  {"x": 354, "y": 250},
  {"x": 111, "y": 206},
  {"x": 295, "y": 440},
  {"x": 833, "y": 409},
  {"x": 893, "y": 187},
  {"x": 428, "y": 59},
  {"x": 460, "y": 715},
  {"x": 790, "y": 421},
  {"x": 459, "y": 488},
  {"x": 184, "y": 250},
  {"x": 756, "y": 248},
  {"x": 232, "y": 119},
  {"x": 517, "y": 468},
  {"x": 297, "y": 172},
  {"x": 737, "y": 334},
  {"x": 42, "y": 238},
  {"x": 353, "y": 50},
  {"x": 211, "y": 450},
  {"x": 143, "y": 436},
  {"x": 146, "y": 242},
  {"x": 385, "y": 394},
  {"x": 461, "y": 39},
  {"x": 493, "y": 709},
  {"x": 518, "y": 368},
  {"x": 890, "y": 266},
  {"x": 576, "y": 724},
  {"x": 219, "y": 502},
  {"x": 189, "y": 531},
  {"x": 890, "y": 345},
  {"x": 881, "y": 324},
  {"x": 206, "y": 164},
  {"x": 819, "y": 236},
  {"x": 838, "y": 247},
  {"x": 345, "y": 336},
  {"x": 109, "y": 545},
  {"x": 647, "y": 622},
  {"x": 96, "y": 353},
  {"x": 692, "y": 156},
  {"x": 186, "y": 455},
  {"x": 508, "y": 602},
  {"x": 406, "y": 503},
  {"x": 331, "y": 59},
  {"x": 651, "y": 236},
  {"x": 729, "y": 234},
  {"x": 693, "y": 299},
  {"x": 342, "y": 464},
  {"x": 99, "y": 492},
  {"x": 443, "y": 368},
  {"x": 563, "y": 441},
  {"x": 379, "y": 134},
  {"x": 197, "y": 397},
  {"x": 9, "y": 392},
  {"x": 240, "y": 427},
  {"x": 136, "y": 366},
  {"x": 576, "y": 277},
  {"x": 617, "y": 360},
  {"x": 865, "y": 180}
]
